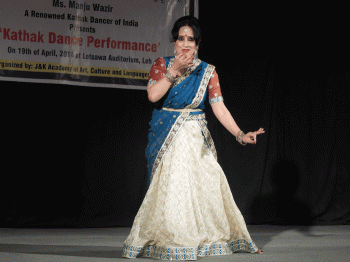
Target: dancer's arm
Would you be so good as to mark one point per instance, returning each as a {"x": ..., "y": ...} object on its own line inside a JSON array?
[
  {"x": 158, "y": 89},
  {"x": 222, "y": 113},
  {"x": 224, "y": 116}
]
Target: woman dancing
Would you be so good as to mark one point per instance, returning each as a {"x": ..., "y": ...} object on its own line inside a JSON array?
[{"x": 188, "y": 210}]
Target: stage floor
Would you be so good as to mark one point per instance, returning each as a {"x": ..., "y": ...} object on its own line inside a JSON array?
[{"x": 280, "y": 243}]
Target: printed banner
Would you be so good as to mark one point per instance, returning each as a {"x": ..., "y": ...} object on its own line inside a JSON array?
[{"x": 108, "y": 43}]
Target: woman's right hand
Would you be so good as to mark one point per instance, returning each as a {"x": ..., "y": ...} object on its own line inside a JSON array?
[{"x": 182, "y": 61}]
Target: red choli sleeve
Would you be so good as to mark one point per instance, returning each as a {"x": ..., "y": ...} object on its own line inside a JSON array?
[
  {"x": 157, "y": 71},
  {"x": 214, "y": 90}
]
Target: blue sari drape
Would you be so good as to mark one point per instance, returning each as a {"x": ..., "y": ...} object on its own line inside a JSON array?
[{"x": 190, "y": 93}]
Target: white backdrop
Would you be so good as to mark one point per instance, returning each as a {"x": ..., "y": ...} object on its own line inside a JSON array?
[{"x": 108, "y": 43}]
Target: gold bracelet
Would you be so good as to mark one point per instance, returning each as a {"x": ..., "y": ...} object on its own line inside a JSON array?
[
  {"x": 169, "y": 76},
  {"x": 239, "y": 137}
]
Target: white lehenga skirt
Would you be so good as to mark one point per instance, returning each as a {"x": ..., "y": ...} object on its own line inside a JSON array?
[{"x": 188, "y": 210}]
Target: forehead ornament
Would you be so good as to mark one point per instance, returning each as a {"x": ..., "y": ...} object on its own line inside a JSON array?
[{"x": 187, "y": 29}]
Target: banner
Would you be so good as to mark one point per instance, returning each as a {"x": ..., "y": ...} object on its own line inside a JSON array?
[{"x": 107, "y": 43}]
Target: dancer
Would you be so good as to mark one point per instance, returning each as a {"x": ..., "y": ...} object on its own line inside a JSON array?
[{"x": 188, "y": 210}]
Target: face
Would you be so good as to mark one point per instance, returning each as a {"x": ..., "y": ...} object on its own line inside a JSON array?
[{"x": 185, "y": 43}]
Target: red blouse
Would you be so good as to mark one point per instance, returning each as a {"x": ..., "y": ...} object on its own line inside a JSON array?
[{"x": 159, "y": 69}]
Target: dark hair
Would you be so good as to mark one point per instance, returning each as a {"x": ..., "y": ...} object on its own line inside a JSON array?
[{"x": 191, "y": 22}]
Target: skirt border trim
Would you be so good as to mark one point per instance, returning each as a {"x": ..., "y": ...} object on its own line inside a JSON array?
[{"x": 188, "y": 253}]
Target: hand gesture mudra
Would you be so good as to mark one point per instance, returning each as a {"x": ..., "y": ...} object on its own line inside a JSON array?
[
  {"x": 251, "y": 136},
  {"x": 182, "y": 62}
]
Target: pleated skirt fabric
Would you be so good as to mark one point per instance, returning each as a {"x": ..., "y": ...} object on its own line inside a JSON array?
[{"x": 188, "y": 210}]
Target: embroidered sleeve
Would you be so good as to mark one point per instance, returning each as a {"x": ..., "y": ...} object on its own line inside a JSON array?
[
  {"x": 157, "y": 71},
  {"x": 214, "y": 89}
]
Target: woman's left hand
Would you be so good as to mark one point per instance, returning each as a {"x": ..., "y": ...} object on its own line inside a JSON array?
[{"x": 251, "y": 136}]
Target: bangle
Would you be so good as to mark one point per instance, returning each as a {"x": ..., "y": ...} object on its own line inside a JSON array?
[
  {"x": 169, "y": 76},
  {"x": 239, "y": 137}
]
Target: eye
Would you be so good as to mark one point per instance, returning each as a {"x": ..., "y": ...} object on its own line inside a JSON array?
[
  {"x": 180, "y": 38},
  {"x": 191, "y": 39}
]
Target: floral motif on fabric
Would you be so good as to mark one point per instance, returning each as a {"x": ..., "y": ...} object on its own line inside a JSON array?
[
  {"x": 216, "y": 99},
  {"x": 171, "y": 135},
  {"x": 203, "y": 87},
  {"x": 210, "y": 142},
  {"x": 189, "y": 253},
  {"x": 198, "y": 99},
  {"x": 157, "y": 71},
  {"x": 214, "y": 89}
]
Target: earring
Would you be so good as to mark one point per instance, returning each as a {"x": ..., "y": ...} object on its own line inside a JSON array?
[{"x": 174, "y": 51}]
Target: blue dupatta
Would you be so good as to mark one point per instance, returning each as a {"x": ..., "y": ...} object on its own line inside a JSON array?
[{"x": 188, "y": 92}]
